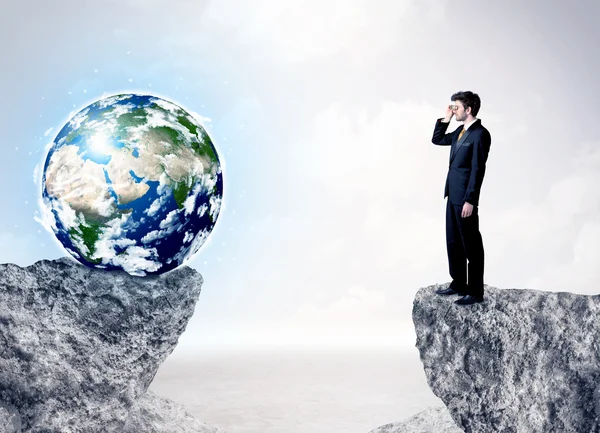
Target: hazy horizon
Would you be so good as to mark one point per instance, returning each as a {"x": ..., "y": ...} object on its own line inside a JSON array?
[{"x": 297, "y": 390}]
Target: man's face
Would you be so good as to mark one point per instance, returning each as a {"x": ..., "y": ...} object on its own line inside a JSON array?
[{"x": 459, "y": 112}]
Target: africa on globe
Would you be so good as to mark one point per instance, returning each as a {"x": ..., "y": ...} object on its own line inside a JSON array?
[{"x": 134, "y": 183}]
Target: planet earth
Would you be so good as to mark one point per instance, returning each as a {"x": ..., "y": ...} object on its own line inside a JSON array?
[{"x": 134, "y": 183}]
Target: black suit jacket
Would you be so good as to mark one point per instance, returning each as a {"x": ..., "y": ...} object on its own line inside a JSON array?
[{"x": 467, "y": 160}]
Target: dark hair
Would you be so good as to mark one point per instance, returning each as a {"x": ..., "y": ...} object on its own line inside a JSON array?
[{"x": 468, "y": 99}]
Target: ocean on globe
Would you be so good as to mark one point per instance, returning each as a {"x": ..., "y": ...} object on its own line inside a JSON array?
[{"x": 134, "y": 183}]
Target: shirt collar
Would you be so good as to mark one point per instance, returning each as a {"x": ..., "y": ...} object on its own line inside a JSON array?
[{"x": 465, "y": 126}]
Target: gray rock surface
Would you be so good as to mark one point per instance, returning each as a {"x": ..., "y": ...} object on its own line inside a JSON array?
[
  {"x": 522, "y": 361},
  {"x": 155, "y": 414},
  {"x": 431, "y": 420},
  {"x": 10, "y": 420},
  {"x": 150, "y": 414},
  {"x": 80, "y": 346}
]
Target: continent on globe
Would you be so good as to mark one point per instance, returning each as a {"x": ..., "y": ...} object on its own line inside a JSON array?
[{"x": 132, "y": 182}]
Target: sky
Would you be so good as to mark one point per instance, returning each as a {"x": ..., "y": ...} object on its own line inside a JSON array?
[{"x": 322, "y": 113}]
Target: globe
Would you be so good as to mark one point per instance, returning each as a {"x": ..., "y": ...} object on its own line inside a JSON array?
[{"x": 134, "y": 183}]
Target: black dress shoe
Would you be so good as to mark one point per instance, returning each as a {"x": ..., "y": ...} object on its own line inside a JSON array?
[
  {"x": 448, "y": 291},
  {"x": 469, "y": 299}
]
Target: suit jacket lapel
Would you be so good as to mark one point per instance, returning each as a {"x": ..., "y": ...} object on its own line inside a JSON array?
[{"x": 460, "y": 142}]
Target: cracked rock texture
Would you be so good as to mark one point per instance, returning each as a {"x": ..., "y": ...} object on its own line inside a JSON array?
[
  {"x": 431, "y": 420},
  {"x": 522, "y": 361},
  {"x": 80, "y": 346}
]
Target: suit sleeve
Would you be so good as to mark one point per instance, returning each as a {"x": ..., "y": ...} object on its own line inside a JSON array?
[
  {"x": 481, "y": 149},
  {"x": 439, "y": 134}
]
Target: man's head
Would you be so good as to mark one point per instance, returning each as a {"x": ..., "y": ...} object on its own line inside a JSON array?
[{"x": 468, "y": 104}]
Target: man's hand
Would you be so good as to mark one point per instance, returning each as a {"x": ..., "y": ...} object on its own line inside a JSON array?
[
  {"x": 467, "y": 210},
  {"x": 449, "y": 113}
]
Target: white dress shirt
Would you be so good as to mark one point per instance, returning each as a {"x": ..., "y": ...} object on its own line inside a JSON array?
[{"x": 465, "y": 126}]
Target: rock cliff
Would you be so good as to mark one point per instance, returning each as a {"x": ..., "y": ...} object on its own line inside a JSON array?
[
  {"x": 522, "y": 361},
  {"x": 80, "y": 346},
  {"x": 432, "y": 420}
]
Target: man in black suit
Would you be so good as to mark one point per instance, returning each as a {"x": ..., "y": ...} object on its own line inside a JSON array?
[{"x": 469, "y": 152}]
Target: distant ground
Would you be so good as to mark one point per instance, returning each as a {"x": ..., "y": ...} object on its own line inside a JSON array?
[{"x": 270, "y": 390}]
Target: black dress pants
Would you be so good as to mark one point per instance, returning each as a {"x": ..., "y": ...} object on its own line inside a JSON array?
[{"x": 464, "y": 242}]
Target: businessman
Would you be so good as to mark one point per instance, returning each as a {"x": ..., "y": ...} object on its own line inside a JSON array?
[{"x": 470, "y": 144}]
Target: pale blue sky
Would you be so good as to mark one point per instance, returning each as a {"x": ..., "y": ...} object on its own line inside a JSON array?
[{"x": 323, "y": 112}]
